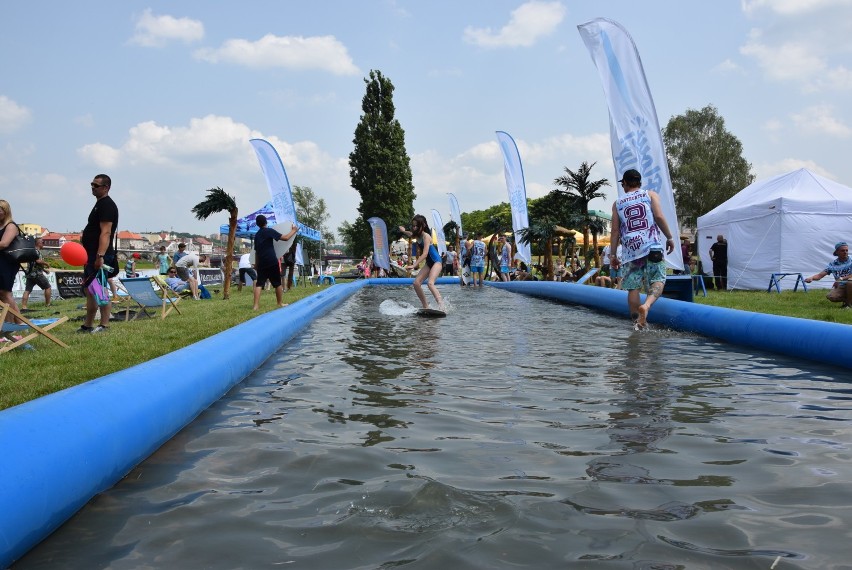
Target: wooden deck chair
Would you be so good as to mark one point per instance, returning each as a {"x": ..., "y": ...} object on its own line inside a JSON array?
[
  {"x": 34, "y": 329},
  {"x": 160, "y": 280},
  {"x": 121, "y": 301},
  {"x": 146, "y": 296},
  {"x": 588, "y": 275}
]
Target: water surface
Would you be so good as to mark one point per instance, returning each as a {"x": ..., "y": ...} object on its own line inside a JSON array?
[{"x": 515, "y": 433}]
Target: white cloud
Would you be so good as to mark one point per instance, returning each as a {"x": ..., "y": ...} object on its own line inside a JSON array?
[
  {"x": 790, "y": 7},
  {"x": 728, "y": 66},
  {"x": 157, "y": 31},
  {"x": 772, "y": 125},
  {"x": 819, "y": 120},
  {"x": 291, "y": 52},
  {"x": 527, "y": 24},
  {"x": 475, "y": 175},
  {"x": 838, "y": 78},
  {"x": 798, "y": 62},
  {"x": 101, "y": 155},
  {"x": 767, "y": 169},
  {"x": 160, "y": 162},
  {"x": 787, "y": 61},
  {"x": 212, "y": 138},
  {"x": 804, "y": 42},
  {"x": 12, "y": 115}
]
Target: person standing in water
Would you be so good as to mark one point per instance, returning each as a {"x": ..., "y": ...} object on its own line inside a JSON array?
[
  {"x": 429, "y": 253},
  {"x": 638, "y": 224}
]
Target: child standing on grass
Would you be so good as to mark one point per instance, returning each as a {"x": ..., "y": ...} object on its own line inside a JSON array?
[{"x": 429, "y": 253}]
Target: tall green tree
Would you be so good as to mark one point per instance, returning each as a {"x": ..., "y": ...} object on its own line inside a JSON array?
[
  {"x": 311, "y": 210},
  {"x": 348, "y": 234},
  {"x": 379, "y": 166},
  {"x": 219, "y": 201},
  {"x": 481, "y": 220},
  {"x": 577, "y": 184},
  {"x": 705, "y": 162}
]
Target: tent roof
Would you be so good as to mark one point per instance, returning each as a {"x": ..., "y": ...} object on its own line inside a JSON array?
[{"x": 800, "y": 188}]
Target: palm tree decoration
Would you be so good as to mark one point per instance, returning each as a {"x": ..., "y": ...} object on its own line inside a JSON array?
[
  {"x": 596, "y": 226},
  {"x": 218, "y": 201},
  {"x": 577, "y": 184},
  {"x": 541, "y": 232},
  {"x": 451, "y": 232}
]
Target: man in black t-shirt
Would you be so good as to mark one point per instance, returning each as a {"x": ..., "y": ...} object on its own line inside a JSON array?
[
  {"x": 266, "y": 260},
  {"x": 98, "y": 238},
  {"x": 719, "y": 255}
]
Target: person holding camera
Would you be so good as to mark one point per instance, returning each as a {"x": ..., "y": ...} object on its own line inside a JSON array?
[
  {"x": 841, "y": 269},
  {"x": 640, "y": 222}
]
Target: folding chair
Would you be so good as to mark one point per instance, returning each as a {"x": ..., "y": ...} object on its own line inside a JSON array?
[
  {"x": 162, "y": 284},
  {"x": 588, "y": 275},
  {"x": 142, "y": 290},
  {"x": 41, "y": 328}
]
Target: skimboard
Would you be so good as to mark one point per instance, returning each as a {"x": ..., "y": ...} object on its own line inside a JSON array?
[
  {"x": 465, "y": 275},
  {"x": 281, "y": 246},
  {"x": 431, "y": 313}
]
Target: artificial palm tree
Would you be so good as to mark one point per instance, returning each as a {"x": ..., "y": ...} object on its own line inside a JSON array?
[
  {"x": 541, "y": 232},
  {"x": 218, "y": 201},
  {"x": 451, "y": 232},
  {"x": 577, "y": 184},
  {"x": 596, "y": 226}
]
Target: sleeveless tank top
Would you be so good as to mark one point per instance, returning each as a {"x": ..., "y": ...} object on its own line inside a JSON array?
[{"x": 639, "y": 232}]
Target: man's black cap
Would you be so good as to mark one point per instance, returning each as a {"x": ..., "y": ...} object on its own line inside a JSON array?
[{"x": 631, "y": 176}]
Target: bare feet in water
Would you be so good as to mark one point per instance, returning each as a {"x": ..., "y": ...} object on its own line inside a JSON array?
[{"x": 642, "y": 317}]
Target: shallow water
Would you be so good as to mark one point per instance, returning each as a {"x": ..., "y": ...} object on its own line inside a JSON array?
[{"x": 515, "y": 433}]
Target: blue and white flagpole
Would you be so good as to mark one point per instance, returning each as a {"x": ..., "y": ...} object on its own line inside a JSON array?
[
  {"x": 514, "y": 173},
  {"x": 635, "y": 134}
]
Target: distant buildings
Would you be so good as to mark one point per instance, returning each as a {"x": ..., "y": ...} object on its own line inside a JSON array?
[{"x": 131, "y": 242}]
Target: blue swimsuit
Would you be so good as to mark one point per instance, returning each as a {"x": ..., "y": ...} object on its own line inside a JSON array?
[{"x": 433, "y": 257}]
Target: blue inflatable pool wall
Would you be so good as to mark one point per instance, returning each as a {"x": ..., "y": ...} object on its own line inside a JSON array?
[{"x": 63, "y": 449}]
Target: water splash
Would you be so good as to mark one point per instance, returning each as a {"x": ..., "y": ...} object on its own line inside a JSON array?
[{"x": 394, "y": 308}]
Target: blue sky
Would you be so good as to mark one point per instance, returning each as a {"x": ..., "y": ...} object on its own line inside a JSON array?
[{"x": 164, "y": 96}]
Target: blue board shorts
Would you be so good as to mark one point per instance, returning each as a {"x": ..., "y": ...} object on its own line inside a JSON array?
[
  {"x": 641, "y": 273},
  {"x": 477, "y": 268}
]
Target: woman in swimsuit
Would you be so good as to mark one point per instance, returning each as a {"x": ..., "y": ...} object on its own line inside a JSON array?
[{"x": 428, "y": 253}]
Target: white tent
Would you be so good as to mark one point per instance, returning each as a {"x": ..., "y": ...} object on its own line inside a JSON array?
[{"x": 785, "y": 224}]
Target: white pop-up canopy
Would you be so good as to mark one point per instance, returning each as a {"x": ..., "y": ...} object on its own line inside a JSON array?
[{"x": 785, "y": 224}]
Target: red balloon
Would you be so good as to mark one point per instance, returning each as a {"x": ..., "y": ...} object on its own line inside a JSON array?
[{"x": 73, "y": 253}]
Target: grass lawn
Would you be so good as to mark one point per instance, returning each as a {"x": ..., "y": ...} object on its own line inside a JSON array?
[
  {"x": 29, "y": 374},
  {"x": 810, "y": 305}
]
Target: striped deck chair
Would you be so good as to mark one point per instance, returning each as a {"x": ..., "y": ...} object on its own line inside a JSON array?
[
  {"x": 146, "y": 295},
  {"x": 29, "y": 330},
  {"x": 160, "y": 280}
]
